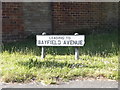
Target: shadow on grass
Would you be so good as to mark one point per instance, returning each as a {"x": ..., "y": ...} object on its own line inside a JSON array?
[
  {"x": 96, "y": 44},
  {"x": 47, "y": 64}
]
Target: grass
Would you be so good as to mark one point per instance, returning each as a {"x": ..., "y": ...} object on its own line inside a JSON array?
[{"x": 20, "y": 61}]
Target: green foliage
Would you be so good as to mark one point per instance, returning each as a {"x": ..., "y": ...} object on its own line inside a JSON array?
[{"x": 20, "y": 61}]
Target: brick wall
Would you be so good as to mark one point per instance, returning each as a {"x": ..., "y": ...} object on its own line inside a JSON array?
[
  {"x": 110, "y": 14},
  {"x": 83, "y": 17},
  {"x": 12, "y": 21},
  {"x": 37, "y": 17},
  {"x": 23, "y": 19}
]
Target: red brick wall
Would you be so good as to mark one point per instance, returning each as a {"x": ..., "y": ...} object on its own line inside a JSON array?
[
  {"x": 67, "y": 18},
  {"x": 70, "y": 17},
  {"x": 12, "y": 21}
]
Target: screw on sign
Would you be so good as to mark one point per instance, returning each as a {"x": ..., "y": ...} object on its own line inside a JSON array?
[{"x": 75, "y": 40}]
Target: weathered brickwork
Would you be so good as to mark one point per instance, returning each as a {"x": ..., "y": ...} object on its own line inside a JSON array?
[
  {"x": 82, "y": 16},
  {"x": 12, "y": 21},
  {"x": 37, "y": 17},
  {"x": 110, "y": 14},
  {"x": 20, "y": 20}
]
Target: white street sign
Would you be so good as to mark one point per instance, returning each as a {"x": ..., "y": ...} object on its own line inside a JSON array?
[{"x": 60, "y": 40}]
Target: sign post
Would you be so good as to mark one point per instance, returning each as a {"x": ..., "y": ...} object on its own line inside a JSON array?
[
  {"x": 75, "y": 40},
  {"x": 43, "y": 49},
  {"x": 76, "y": 50}
]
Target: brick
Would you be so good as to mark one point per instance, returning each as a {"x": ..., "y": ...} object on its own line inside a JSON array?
[
  {"x": 21, "y": 19},
  {"x": 79, "y": 15},
  {"x": 11, "y": 13}
]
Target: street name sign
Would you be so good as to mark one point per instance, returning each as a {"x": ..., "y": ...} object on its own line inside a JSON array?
[{"x": 60, "y": 40}]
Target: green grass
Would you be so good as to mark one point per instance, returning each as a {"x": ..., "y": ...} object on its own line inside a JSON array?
[{"x": 20, "y": 61}]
